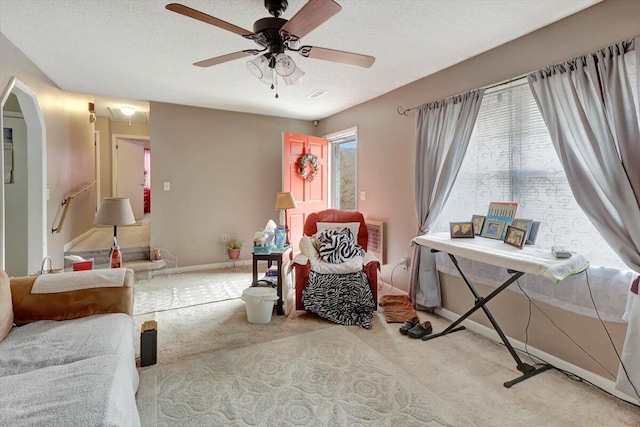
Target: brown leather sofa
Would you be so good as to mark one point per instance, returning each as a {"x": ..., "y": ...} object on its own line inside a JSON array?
[
  {"x": 311, "y": 228},
  {"x": 28, "y": 307}
]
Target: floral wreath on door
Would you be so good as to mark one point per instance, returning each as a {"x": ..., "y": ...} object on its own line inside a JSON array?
[{"x": 308, "y": 166}]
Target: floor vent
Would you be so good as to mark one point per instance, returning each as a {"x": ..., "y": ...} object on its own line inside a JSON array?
[{"x": 376, "y": 244}]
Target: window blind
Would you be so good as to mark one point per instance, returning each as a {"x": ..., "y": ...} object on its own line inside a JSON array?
[{"x": 511, "y": 158}]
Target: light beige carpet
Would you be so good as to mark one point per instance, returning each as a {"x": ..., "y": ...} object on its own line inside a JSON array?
[
  {"x": 465, "y": 370},
  {"x": 326, "y": 377}
]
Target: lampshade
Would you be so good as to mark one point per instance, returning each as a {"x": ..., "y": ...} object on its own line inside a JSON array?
[
  {"x": 285, "y": 201},
  {"x": 115, "y": 211}
]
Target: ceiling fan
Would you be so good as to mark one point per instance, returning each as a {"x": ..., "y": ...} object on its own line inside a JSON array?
[{"x": 275, "y": 35}]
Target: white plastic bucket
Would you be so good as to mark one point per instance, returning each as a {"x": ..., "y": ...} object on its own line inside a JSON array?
[{"x": 259, "y": 303}]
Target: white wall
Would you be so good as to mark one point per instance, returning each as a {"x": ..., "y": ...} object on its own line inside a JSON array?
[
  {"x": 225, "y": 172},
  {"x": 16, "y": 201},
  {"x": 69, "y": 146}
]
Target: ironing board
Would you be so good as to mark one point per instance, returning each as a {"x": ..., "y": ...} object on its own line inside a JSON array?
[{"x": 531, "y": 259}]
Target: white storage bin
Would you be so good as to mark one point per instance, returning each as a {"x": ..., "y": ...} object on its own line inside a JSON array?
[{"x": 259, "y": 303}]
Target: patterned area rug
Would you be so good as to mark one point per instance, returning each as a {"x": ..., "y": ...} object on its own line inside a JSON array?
[
  {"x": 201, "y": 287},
  {"x": 325, "y": 377}
]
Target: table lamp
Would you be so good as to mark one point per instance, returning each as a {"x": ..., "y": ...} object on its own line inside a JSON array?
[
  {"x": 285, "y": 201},
  {"x": 115, "y": 211}
]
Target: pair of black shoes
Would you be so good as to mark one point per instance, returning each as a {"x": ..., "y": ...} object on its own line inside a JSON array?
[{"x": 414, "y": 329}]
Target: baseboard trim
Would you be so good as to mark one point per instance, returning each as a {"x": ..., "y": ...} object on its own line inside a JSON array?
[
  {"x": 214, "y": 266},
  {"x": 78, "y": 239},
  {"x": 603, "y": 383}
]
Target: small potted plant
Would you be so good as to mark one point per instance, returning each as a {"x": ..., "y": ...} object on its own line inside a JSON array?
[{"x": 233, "y": 249}]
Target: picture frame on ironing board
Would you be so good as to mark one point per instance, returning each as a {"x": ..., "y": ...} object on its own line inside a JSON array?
[
  {"x": 478, "y": 222},
  {"x": 515, "y": 236},
  {"x": 461, "y": 230},
  {"x": 493, "y": 229},
  {"x": 531, "y": 226}
]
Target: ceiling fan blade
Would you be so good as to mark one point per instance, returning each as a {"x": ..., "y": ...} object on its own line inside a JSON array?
[
  {"x": 224, "y": 58},
  {"x": 311, "y": 16},
  {"x": 200, "y": 16},
  {"x": 341, "y": 56}
]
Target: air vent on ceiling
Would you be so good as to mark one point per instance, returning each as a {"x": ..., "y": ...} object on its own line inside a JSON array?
[
  {"x": 375, "y": 244},
  {"x": 317, "y": 94}
]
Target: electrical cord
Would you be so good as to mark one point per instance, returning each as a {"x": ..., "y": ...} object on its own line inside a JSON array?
[
  {"x": 574, "y": 377},
  {"x": 569, "y": 374},
  {"x": 392, "y": 271},
  {"x": 526, "y": 329},
  {"x": 567, "y": 335},
  {"x": 635, "y": 390},
  {"x": 391, "y": 277}
]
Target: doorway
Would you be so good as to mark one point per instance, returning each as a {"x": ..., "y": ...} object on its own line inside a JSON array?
[
  {"x": 129, "y": 177},
  {"x": 310, "y": 194},
  {"x": 33, "y": 195}
]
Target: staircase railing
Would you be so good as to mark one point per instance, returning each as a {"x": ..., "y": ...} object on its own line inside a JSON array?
[{"x": 66, "y": 202}]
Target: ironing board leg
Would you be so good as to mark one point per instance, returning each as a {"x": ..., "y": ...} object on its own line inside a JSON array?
[{"x": 480, "y": 303}]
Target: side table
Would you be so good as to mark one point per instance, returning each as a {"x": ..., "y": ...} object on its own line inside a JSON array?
[{"x": 281, "y": 258}]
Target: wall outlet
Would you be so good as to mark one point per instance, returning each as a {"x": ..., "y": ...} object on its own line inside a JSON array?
[
  {"x": 224, "y": 238},
  {"x": 167, "y": 186},
  {"x": 405, "y": 263}
]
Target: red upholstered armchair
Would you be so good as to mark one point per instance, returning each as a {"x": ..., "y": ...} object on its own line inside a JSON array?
[{"x": 310, "y": 228}]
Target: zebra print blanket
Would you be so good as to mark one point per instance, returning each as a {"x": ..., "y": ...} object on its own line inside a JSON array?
[{"x": 345, "y": 299}]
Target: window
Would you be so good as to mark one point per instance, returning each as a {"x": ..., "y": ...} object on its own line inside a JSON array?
[
  {"x": 343, "y": 161},
  {"x": 511, "y": 158}
]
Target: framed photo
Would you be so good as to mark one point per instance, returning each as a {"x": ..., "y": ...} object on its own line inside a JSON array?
[
  {"x": 515, "y": 236},
  {"x": 478, "y": 222},
  {"x": 531, "y": 226},
  {"x": 461, "y": 229},
  {"x": 532, "y": 235},
  {"x": 525, "y": 224},
  {"x": 493, "y": 229}
]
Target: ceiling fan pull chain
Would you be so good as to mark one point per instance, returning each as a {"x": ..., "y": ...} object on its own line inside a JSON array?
[{"x": 275, "y": 80}]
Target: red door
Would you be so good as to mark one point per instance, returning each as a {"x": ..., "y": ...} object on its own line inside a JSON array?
[{"x": 311, "y": 196}]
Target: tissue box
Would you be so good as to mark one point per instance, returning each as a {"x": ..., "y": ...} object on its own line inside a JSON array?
[
  {"x": 83, "y": 265},
  {"x": 263, "y": 249}
]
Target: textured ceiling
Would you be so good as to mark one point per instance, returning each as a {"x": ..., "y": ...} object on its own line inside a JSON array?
[{"x": 137, "y": 50}]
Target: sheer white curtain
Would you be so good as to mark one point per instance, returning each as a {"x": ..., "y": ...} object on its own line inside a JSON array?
[
  {"x": 443, "y": 129},
  {"x": 510, "y": 157},
  {"x": 588, "y": 106}
]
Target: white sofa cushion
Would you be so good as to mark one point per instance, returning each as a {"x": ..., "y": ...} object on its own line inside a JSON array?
[{"x": 71, "y": 372}]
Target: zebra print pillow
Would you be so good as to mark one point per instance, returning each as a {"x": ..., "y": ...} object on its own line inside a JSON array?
[{"x": 338, "y": 246}]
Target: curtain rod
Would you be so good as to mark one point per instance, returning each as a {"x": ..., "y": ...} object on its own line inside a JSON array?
[
  {"x": 404, "y": 112},
  {"x": 628, "y": 44}
]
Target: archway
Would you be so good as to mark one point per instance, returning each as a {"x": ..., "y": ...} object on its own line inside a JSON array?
[{"x": 37, "y": 182}]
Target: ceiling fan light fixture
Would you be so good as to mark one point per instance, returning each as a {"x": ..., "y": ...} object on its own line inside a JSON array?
[
  {"x": 295, "y": 77},
  {"x": 277, "y": 35},
  {"x": 127, "y": 111},
  {"x": 285, "y": 66},
  {"x": 260, "y": 68},
  {"x": 255, "y": 66},
  {"x": 267, "y": 77}
]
